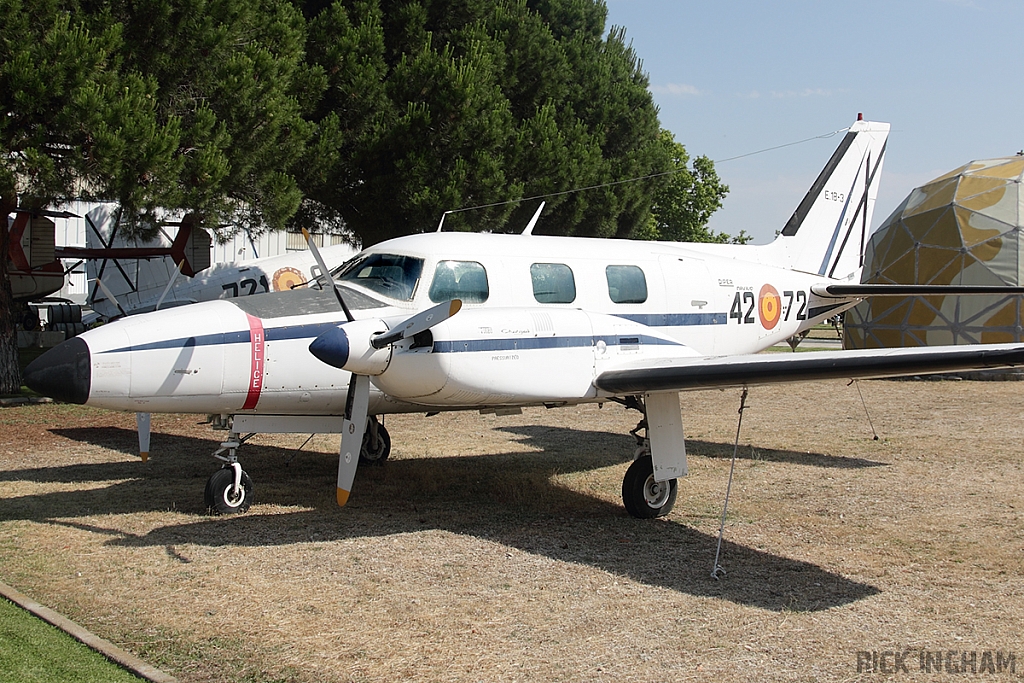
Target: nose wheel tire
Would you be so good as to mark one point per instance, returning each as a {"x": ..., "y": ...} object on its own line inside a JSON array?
[
  {"x": 644, "y": 497},
  {"x": 221, "y": 496}
]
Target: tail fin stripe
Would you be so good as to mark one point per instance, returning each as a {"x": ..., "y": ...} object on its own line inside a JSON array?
[
  {"x": 839, "y": 223},
  {"x": 861, "y": 205},
  {"x": 819, "y": 184},
  {"x": 867, "y": 189}
]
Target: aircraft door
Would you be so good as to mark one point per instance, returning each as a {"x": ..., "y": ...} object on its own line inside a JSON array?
[{"x": 691, "y": 309}]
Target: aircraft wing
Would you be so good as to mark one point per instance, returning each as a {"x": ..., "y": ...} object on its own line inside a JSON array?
[{"x": 771, "y": 368}]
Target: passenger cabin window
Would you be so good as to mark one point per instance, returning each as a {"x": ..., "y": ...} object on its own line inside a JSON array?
[
  {"x": 626, "y": 284},
  {"x": 391, "y": 275},
  {"x": 553, "y": 283},
  {"x": 465, "y": 280}
]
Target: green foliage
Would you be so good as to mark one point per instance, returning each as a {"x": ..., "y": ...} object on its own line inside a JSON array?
[
  {"x": 434, "y": 105},
  {"x": 195, "y": 106},
  {"x": 381, "y": 113},
  {"x": 71, "y": 124},
  {"x": 233, "y": 74},
  {"x": 686, "y": 198}
]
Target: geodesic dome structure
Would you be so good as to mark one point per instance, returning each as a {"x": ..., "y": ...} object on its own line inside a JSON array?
[{"x": 961, "y": 228}]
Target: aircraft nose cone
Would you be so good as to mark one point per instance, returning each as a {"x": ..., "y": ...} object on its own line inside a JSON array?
[
  {"x": 331, "y": 347},
  {"x": 63, "y": 373}
]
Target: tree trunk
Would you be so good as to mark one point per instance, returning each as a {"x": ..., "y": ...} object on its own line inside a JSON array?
[{"x": 10, "y": 373}]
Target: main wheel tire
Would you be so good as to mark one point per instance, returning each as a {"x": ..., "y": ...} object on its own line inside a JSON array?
[
  {"x": 219, "y": 497},
  {"x": 644, "y": 497},
  {"x": 30, "y": 321},
  {"x": 375, "y": 456}
]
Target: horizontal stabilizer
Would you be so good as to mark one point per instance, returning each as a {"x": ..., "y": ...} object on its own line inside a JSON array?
[
  {"x": 867, "y": 291},
  {"x": 773, "y": 368}
]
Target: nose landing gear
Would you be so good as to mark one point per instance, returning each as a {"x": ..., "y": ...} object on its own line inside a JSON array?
[{"x": 229, "y": 489}]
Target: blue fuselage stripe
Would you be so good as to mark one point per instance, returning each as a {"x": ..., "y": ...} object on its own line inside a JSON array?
[
  {"x": 676, "y": 319},
  {"x": 532, "y": 343},
  {"x": 314, "y": 330},
  {"x": 310, "y": 331}
]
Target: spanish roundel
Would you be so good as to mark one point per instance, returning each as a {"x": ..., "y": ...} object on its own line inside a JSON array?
[
  {"x": 769, "y": 307},
  {"x": 287, "y": 278}
]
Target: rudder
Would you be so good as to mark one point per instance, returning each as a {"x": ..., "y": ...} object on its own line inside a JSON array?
[{"x": 829, "y": 229}]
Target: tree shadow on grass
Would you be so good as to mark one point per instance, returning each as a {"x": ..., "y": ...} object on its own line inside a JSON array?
[
  {"x": 654, "y": 552},
  {"x": 512, "y": 498}
]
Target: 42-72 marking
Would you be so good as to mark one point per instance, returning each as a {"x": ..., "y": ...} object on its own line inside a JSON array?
[{"x": 744, "y": 305}]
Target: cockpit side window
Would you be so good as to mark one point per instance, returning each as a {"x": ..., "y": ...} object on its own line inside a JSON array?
[
  {"x": 391, "y": 275},
  {"x": 553, "y": 283},
  {"x": 465, "y": 280},
  {"x": 626, "y": 284}
]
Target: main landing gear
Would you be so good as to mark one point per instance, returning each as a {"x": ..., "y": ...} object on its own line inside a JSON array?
[
  {"x": 229, "y": 489},
  {"x": 643, "y": 496},
  {"x": 376, "y": 443}
]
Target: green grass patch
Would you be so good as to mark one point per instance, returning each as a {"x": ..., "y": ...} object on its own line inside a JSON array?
[{"x": 32, "y": 650}]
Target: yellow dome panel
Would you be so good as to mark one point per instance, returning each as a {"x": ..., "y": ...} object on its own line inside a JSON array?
[
  {"x": 978, "y": 193},
  {"x": 931, "y": 196},
  {"x": 1011, "y": 169}
]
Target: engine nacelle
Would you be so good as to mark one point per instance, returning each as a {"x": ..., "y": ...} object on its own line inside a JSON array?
[
  {"x": 519, "y": 356},
  {"x": 348, "y": 347}
]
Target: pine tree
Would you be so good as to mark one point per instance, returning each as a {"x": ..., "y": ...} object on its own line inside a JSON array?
[
  {"x": 158, "y": 105},
  {"x": 436, "y": 105}
]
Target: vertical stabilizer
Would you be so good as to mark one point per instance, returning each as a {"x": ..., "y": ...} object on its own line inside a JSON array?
[{"x": 829, "y": 229}]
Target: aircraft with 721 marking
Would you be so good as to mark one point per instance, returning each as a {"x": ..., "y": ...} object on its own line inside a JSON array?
[{"x": 493, "y": 322}]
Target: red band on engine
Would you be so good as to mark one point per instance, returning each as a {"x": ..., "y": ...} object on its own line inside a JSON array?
[{"x": 256, "y": 372}]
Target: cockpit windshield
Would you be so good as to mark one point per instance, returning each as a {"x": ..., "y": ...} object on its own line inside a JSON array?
[{"x": 390, "y": 275}]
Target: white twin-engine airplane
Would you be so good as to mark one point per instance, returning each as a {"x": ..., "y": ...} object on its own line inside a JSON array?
[{"x": 457, "y": 321}]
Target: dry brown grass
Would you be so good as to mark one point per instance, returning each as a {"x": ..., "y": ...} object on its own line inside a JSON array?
[{"x": 496, "y": 549}]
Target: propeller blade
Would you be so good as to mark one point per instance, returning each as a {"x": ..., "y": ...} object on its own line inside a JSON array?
[
  {"x": 110, "y": 295},
  {"x": 170, "y": 283},
  {"x": 423, "y": 320},
  {"x": 326, "y": 273},
  {"x": 353, "y": 427}
]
